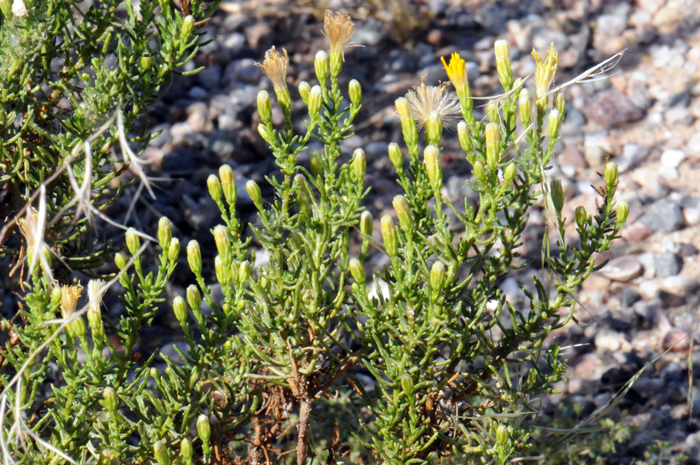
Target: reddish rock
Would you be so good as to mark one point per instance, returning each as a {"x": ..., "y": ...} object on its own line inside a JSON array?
[
  {"x": 676, "y": 340},
  {"x": 611, "y": 108},
  {"x": 635, "y": 233},
  {"x": 622, "y": 269}
]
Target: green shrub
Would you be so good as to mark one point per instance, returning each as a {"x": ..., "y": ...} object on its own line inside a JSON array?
[{"x": 302, "y": 361}]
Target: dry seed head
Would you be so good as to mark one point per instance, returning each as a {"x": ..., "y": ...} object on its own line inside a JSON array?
[
  {"x": 275, "y": 67},
  {"x": 19, "y": 9},
  {"x": 544, "y": 72},
  {"x": 423, "y": 100},
  {"x": 69, "y": 299},
  {"x": 96, "y": 290},
  {"x": 339, "y": 29}
]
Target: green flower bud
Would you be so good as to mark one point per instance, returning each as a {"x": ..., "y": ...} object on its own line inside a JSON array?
[
  {"x": 315, "y": 102},
  {"x": 120, "y": 260},
  {"x": 518, "y": 85},
  {"x": 108, "y": 457},
  {"x": 133, "y": 241},
  {"x": 187, "y": 26},
  {"x": 304, "y": 91},
  {"x": 581, "y": 217},
  {"x": 553, "y": 124},
  {"x": 174, "y": 249},
  {"x": 316, "y": 164},
  {"x": 203, "y": 428},
  {"x": 244, "y": 272},
  {"x": 186, "y": 450},
  {"x": 355, "y": 91},
  {"x": 525, "y": 107},
  {"x": 56, "y": 295},
  {"x": 509, "y": 173},
  {"x": 493, "y": 145},
  {"x": 321, "y": 65},
  {"x": 77, "y": 328},
  {"x": 111, "y": 399},
  {"x": 254, "y": 193},
  {"x": 336, "y": 62},
  {"x": 437, "y": 275},
  {"x": 560, "y": 103},
  {"x": 214, "y": 185},
  {"x": 623, "y": 209},
  {"x": 165, "y": 232},
  {"x": 161, "y": 452},
  {"x": 266, "y": 133},
  {"x": 154, "y": 373},
  {"x": 357, "y": 271},
  {"x": 180, "y": 309},
  {"x": 505, "y": 72},
  {"x": 222, "y": 275},
  {"x": 611, "y": 174},
  {"x": 557, "y": 192},
  {"x": 366, "y": 223},
  {"x": 359, "y": 164},
  {"x": 492, "y": 111},
  {"x": 433, "y": 128},
  {"x": 194, "y": 257},
  {"x": 502, "y": 435},
  {"x": 463, "y": 134},
  {"x": 223, "y": 244},
  {"x": 408, "y": 123},
  {"x": 228, "y": 184},
  {"x": 145, "y": 62},
  {"x": 407, "y": 384},
  {"x": 96, "y": 325},
  {"x": 404, "y": 212},
  {"x": 433, "y": 167},
  {"x": 480, "y": 171},
  {"x": 396, "y": 156},
  {"x": 389, "y": 235},
  {"x": 194, "y": 298},
  {"x": 265, "y": 107}
]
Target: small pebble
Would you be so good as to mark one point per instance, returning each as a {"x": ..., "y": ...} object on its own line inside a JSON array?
[
  {"x": 635, "y": 233},
  {"x": 622, "y": 269},
  {"x": 663, "y": 216},
  {"x": 679, "y": 285},
  {"x": 667, "y": 265}
]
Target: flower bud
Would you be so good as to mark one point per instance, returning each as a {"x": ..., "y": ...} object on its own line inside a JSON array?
[
  {"x": 77, "y": 328},
  {"x": 145, "y": 62},
  {"x": 611, "y": 174},
  {"x": 623, "y": 209},
  {"x": 581, "y": 217},
  {"x": 525, "y": 107},
  {"x": 186, "y": 450},
  {"x": 56, "y": 295},
  {"x": 403, "y": 108},
  {"x": 553, "y": 124},
  {"x": 265, "y": 107},
  {"x": 480, "y": 171},
  {"x": 108, "y": 457},
  {"x": 120, "y": 260},
  {"x": 321, "y": 65},
  {"x": 133, "y": 241},
  {"x": 316, "y": 164},
  {"x": 433, "y": 128},
  {"x": 396, "y": 156},
  {"x": 223, "y": 243},
  {"x": 463, "y": 134},
  {"x": 557, "y": 192},
  {"x": 228, "y": 184},
  {"x": 96, "y": 324},
  {"x": 194, "y": 298},
  {"x": 359, "y": 163},
  {"x": 194, "y": 257},
  {"x": 355, "y": 91},
  {"x": 502, "y": 435},
  {"x": 161, "y": 453},
  {"x": 357, "y": 271},
  {"x": 244, "y": 272},
  {"x": 304, "y": 91},
  {"x": 389, "y": 236},
  {"x": 431, "y": 160},
  {"x": 222, "y": 275},
  {"x": 266, "y": 133},
  {"x": 492, "y": 111},
  {"x": 187, "y": 26},
  {"x": 407, "y": 384},
  {"x": 437, "y": 275},
  {"x": 111, "y": 399},
  {"x": 315, "y": 102},
  {"x": 180, "y": 309},
  {"x": 408, "y": 123},
  {"x": 214, "y": 185},
  {"x": 165, "y": 232},
  {"x": 509, "y": 173},
  {"x": 203, "y": 428},
  {"x": 174, "y": 249},
  {"x": 493, "y": 145},
  {"x": 366, "y": 223},
  {"x": 254, "y": 193},
  {"x": 505, "y": 72},
  {"x": 404, "y": 213},
  {"x": 560, "y": 103},
  {"x": 336, "y": 62}
]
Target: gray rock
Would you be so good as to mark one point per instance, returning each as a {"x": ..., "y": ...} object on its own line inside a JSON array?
[
  {"x": 679, "y": 116},
  {"x": 574, "y": 117},
  {"x": 632, "y": 155},
  {"x": 209, "y": 77},
  {"x": 243, "y": 70},
  {"x": 370, "y": 33},
  {"x": 663, "y": 216},
  {"x": 221, "y": 143},
  {"x": 629, "y": 297},
  {"x": 197, "y": 93},
  {"x": 693, "y": 144},
  {"x": 492, "y": 18},
  {"x": 234, "y": 42},
  {"x": 667, "y": 265},
  {"x": 543, "y": 38},
  {"x": 611, "y": 25},
  {"x": 679, "y": 285},
  {"x": 611, "y": 108},
  {"x": 622, "y": 269}
]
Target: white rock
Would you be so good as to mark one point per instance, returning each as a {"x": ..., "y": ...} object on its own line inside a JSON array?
[
  {"x": 672, "y": 157},
  {"x": 668, "y": 172},
  {"x": 691, "y": 216}
]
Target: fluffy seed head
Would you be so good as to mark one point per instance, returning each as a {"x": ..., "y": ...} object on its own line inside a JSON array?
[
  {"x": 423, "y": 100},
  {"x": 275, "y": 67},
  {"x": 339, "y": 29}
]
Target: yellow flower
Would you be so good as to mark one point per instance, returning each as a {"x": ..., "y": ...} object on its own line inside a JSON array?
[
  {"x": 544, "y": 72},
  {"x": 69, "y": 299},
  {"x": 426, "y": 99},
  {"x": 339, "y": 29},
  {"x": 456, "y": 70},
  {"x": 275, "y": 67}
]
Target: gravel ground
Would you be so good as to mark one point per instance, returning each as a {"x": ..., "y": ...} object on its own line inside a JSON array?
[{"x": 645, "y": 116}]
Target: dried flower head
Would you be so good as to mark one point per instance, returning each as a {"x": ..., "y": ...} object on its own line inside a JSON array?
[
  {"x": 69, "y": 299},
  {"x": 28, "y": 225},
  {"x": 275, "y": 67},
  {"x": 19, "y": 9},
  {"x": 96, "y": 289},
  {"x": 544, "y": 72},
  {"x": 339, "y": 29},
  {"x": 456, "y": 70},
  {"x": 426, "y": 99}
]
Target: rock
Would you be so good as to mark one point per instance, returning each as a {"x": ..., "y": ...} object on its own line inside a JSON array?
[
  {"x": 691, "y": 216},
  {"x": 596, "y": 147},
  {"x": 610, "y": 25},
  {"x": 632, "y": 155},
  {"x": 652, "y": 6},
  {"x": 649, "y": 263},
  {"x": 668, "y": 172},
  {"x": 221, "y": 143},
  {"x": 543, "y": 38},
  {"x": 492, "y": 18},
  {"x": 678, "y": 116},
  {"x": 209, "y": 77},
  {"x": 679, "y": 286},
  {"x": 667, "y": 265},
  {"x": 243, "y": 70},
  {"x": 635, "y": 233},
  {"x": 663, "y": 216},
  {"x": 672, "y": 157},
  {"x": 197, "y": 93},
  {"x": 649, "y": 290},
  {"x": 676, "y": 340},
  {"x": 629, "y": 297},
  {"x": 638, "y": 91},
  {"x": 611, "y": 108},
  {"x": 622, "y": 269},
  {"x": 693, "y": 144},
  {"x": 612, "y": 341},
  {"x": 691, "y": 447},
  {"x": 595, "y": 282}
]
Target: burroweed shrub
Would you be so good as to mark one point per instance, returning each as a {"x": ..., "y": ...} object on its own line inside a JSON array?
[{"x": 309, "y": 359}]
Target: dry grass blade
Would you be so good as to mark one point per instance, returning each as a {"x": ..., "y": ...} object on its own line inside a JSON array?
[{"x": 130, "y": 157}]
